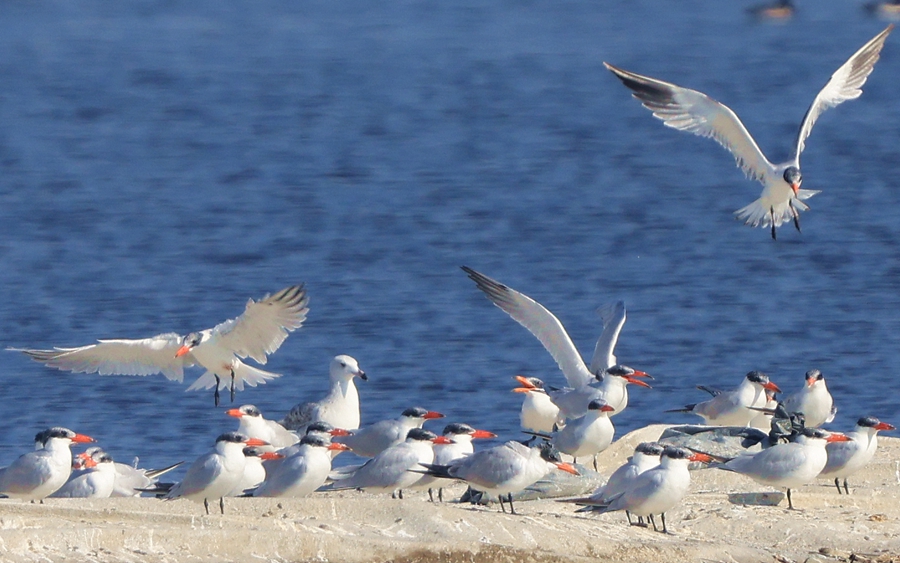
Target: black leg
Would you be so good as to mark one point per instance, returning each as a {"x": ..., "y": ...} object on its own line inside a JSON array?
[
  {"x": 837, "y": 483},
  {"x": 790, "y": 504},
  {"x": 232, "y": 383},
  {"x": 441, "y": 494},
  {"x": 206, "y": 506},
  {"x": 393, "y": 494},
  {"x": 772, "y": 213},
  {"x": 652, "y": 521},
  {"x": 663, "y": 516},
  {"x": 430, "y": 496},
  {"x": 400, "y": 494},
  {"x": 222, "y": 504},
  {"x": 641, "y": 521},
  {"x": 512, "y": 509},
  {"x": 595, "y": 463},
  {"x": 503, "y": 508},
  {"x": 628, "y": 515},
  {"x": 796, "y": 217},
  {"x": 216, "y": 392},
  {"x": 846, "y": 489}
]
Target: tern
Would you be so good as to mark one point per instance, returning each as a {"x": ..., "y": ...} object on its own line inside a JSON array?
[
  {"x": 389, "y": 471},
  {"x": 254, "y": 471},
  {"x": 734, "y": 408},
  {"x": 129, "y": 480},
  {"x": 646, "y": 456},
  {"x": 538, "y": 413},
  {"x": 258, "y": 332},
  {"x": 688, "y": 110},
  {"x": 254, "y": 425},
  {"x": 551, "y": 333},
  {"x": 340, "y": 407},
  {"x": 460, "y": 435},
  {"x": 846, "y": 458},
  {"x": 41, "y": 472},
  {"x": 611, "y": 388},
  {"x": 503, "y": 470},
  {"x": 655, "y": 491},
  {"x": 214, "y": 474},
  {"x": 587, "y": 435},
  {"x": 813, "y": 400},
  {"x": 302, "y": 472},
  {"x": 372, "y": 440},
  {"x": 95, "y": 478},
  {"x": 787, "y": 465}
]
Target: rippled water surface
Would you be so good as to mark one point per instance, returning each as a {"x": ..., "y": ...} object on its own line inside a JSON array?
[{"x": 161, "y": 162}]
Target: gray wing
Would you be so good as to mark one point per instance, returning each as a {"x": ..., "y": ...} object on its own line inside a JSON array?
[
  {"x": 845, "y": 84},
  {"x": 300, "y": 416},
  {"x": 695, "y": 112},
  {"x": 540, "y": 322},
  {"x": 613, "y": 317},
  {"x": 265, "y": 324},
  {"x": 198, "y": 477},
  {"x": 146, "y": 356}
]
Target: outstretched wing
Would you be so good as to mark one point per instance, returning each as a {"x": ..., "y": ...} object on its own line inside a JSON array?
[
  {"x": 845, "y": 84},
  {"x": 613, "y": 317},
  {"x": 695, "y": 112},
  {"x": 265, "y": 324},
  {"x": 540, "y": 322},
  {"x": 146, "y": 356}
]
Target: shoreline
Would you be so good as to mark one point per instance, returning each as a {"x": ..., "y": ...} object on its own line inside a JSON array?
[{"x": 350, "y": 526}]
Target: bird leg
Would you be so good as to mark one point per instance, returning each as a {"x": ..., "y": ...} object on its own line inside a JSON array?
[
  {"x": 216, "y": 392},
  {"x": 222, "y": 504},
  {"x": 628, "y": 515},
  {"x": 206, "y": 506},
  {"x": 796, "y": 215},
  {"x": 837, "y": 483},
  {"x": 232, "y": 375},
  {"x": 430, "y": 496},
  {"x": 652, "y": 521},
  {"x": 512, "y": 510},
  {"x": 772, "y": 213},
  {"x": 663, "y": 516},
  {"x": 595, "y": 463},
  {"x": 503, "y": 508},
  {"x": 441, "y": 494},
  {"x": 847, "y": 490},
  {"x": 790, "y": 504},
  {"x": 400, "y": 493}
]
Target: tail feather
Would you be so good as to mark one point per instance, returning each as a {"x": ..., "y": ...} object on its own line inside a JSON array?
[
  {"x": 686, "y": 408},
  {"x": 759, "y": 215},
  {"x": 242, "y": 374},
  {"x": 440, "y": 471}
]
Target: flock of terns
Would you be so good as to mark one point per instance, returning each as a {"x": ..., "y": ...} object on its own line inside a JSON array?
[{"x": 293, "y": 457}]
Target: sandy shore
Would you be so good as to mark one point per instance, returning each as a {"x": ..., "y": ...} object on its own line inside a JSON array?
[{"x": 356, "y": 527}]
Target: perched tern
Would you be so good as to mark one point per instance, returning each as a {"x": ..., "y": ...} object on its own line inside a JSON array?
[
  {"x": 656, "y": 490},
  {"x": 813, "y": 400},
  {"x": 39, "y": 473},
  {"x": 551, "y": 333},
  {"x": 389, "y": 471},
  {"x": 372, "y": 440},
  {"x": 587, "y": 435},
  {"x": 253, "y": 424},
  {"x": 695, "y": 112},
  {"x": 503, "y": 470},
  {"x": 340, "y": 407},
  {"x": 539, "y": 413},
  {"x": 254, "y": 470},
  {"x": 734, "y": 408},
  {"x": 130, "y": 481},
  {"x": 302, "y": 472},
  {"x": 646, "y": 456},
  {"x": 460, "y": 436},
  {"x": 215, "y": 474},
  {"x": 258, "y": 332},
  {"x": 788, "y": 465},
  {"x": 96, "y": 477},
  {"x": 763, "y": 420},
  {"x": 846, "y": 458}
]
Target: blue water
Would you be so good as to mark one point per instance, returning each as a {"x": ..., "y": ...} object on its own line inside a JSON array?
[{"x": 161, "y": 162}]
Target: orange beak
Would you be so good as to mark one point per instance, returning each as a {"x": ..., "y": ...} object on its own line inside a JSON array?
[
  {"x": 884, "y": 426},
  {"x": 339, "y": 432},
  {"x": 236, "y": 413},
  {"x": 772, "y": 387},
  {"x": 523, "y": 389},
  {"x": 796, "y": 188},
  {"x": 256, "y": 442},
  {"x": 810, "y": 381},
  {"x": 639, "y": 373},
  {"x": 638, "y": 382},
  {"x": 271, "y": 455},
  {"x": 700, "y": 457},
  {"x": 483, "y": 434},
  {"x": 524, "y": 381},
  {"x": 82, "y": 439},
  {"x": 568, "y": 468},
  {"x": 837, "y": 437},
  {"x": 337, "y": 446},
  {"x": 432, "y": 414},
  {"x": 443, "y": 440},
  {"x": 182, "y": 351},
  {"x": 89, "y": 463},
  {"x": 607, "y": 408}
]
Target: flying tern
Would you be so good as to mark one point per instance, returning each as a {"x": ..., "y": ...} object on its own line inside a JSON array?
[
  {"x": 692, "y": 111},
  {"x": 258, "y": 332}
]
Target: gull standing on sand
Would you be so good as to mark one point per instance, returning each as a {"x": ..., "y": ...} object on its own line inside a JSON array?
[
  {"x": 258, "y": 332},
  {"x": 846, "y": 458},
  {"x": 373, "y": 439},
  {"x": 787, "y": 465},
  {"x": 646, "y": 456},
  {"x": 503, "y": 470},
  {"x": 538, "y": 413},
  {"x": 302, "y": 472},
  {"x": 655, "y": 491},
  {"x": 695, "y": 112},
  {"x": 551, "y": 333},
  {"x": 39, "y": 473},
  {"x": 340, "y": 407},
  {"x": 254, "y": 425},
  {"x": 813, "y": 400},
  {"x": 735, "y": 408},
  {"x": 214, "y": 474}
]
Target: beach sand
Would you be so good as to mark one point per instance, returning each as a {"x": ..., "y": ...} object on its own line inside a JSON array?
[{"x": 351, "y": 526}]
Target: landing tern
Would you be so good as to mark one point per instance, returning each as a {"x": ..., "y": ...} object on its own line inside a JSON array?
[
  {"x": 787, "y": 465},
  {"x": 340, "y": 407},
  {"x": 688, "y": 110},
  {"x": 551, "y": 333},
  {"x": 214, "y": 474},
  {"x": 38, "y": 473},
  {"x": 813, "y": 400},
  {"x": 846, "y": 458},
  {"x": 258, "y": 332},
  {"x": 734, "y": 408},
  {"x": 657, "y": 490},
  {"x": 371, "y": 440}
]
